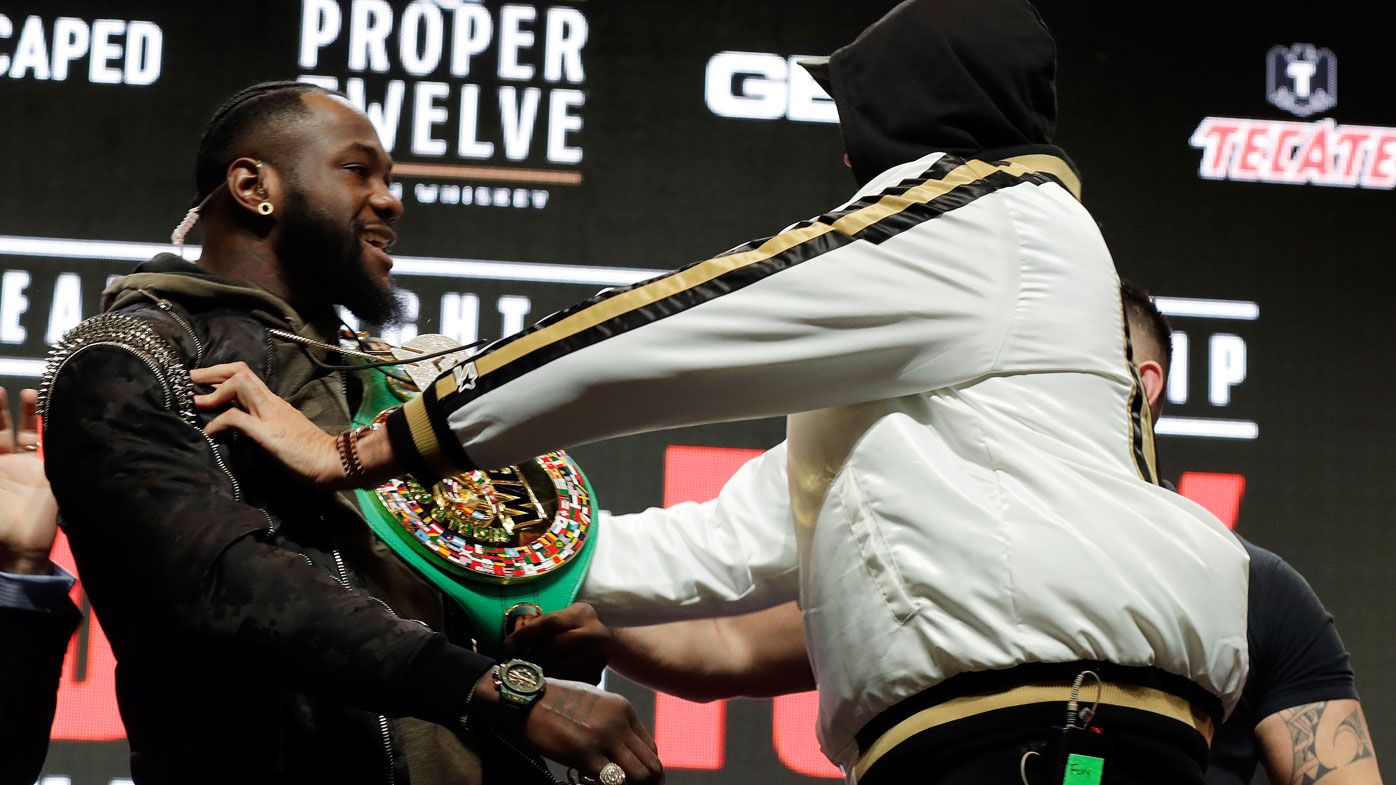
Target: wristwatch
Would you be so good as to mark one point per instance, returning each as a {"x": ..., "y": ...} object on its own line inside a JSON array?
[{"x": 520, "y": 684}]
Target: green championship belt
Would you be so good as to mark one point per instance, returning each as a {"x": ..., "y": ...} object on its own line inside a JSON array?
[{"x": 501, "y": 543}]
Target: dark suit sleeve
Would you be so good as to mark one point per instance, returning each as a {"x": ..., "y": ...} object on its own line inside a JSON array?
[
  {"x": 32, "y": 643},
  {"x": 167, "y": 547}
]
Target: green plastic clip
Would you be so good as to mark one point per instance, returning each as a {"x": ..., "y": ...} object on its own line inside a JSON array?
[{"x": 1083, "y": 770}]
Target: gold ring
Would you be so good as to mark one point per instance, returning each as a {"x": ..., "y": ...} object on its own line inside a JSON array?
[{"x": 30, "y": 448}]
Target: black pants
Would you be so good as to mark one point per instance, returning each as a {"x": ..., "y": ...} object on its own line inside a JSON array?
[{"x": 1141, "y": 748}]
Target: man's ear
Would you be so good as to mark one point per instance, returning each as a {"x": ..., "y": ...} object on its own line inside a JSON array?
[
  {"x": 1151, "y": 374},
  {"x": 251, "y": 182}
]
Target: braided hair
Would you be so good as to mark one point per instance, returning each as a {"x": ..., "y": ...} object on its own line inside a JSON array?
[{"x": 249, "y": 109}]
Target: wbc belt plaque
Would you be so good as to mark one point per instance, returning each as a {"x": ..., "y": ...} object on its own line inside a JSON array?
[
  {"x": 499, "y": 542},
  {"x": 503, "y": 526}
]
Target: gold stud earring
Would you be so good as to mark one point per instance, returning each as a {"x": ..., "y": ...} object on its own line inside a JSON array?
[{"x": 265, "y": 208}]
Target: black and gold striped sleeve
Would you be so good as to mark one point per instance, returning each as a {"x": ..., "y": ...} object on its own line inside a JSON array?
[{"x": 428, "y": 434}]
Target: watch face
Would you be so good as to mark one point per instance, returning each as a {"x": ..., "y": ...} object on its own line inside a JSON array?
[{"x": 521, "y": 678}]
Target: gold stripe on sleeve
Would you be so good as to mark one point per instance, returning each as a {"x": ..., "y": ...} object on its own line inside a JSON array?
[
  {"x": 1051, "y": 164},
  {"x": 703, "y": 272},
  {"x": 424, "y": 437},
  {"x": 645, "y": 295},
  {"x": 892, "y": 204}
]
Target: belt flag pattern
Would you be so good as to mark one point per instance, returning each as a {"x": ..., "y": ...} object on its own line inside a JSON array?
[{"x": 502, "y": 526}]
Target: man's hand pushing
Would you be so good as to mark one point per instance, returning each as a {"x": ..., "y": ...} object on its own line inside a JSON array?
[
  {"x": 571, "y": 643},
  {"x": 253, "y": 410}
]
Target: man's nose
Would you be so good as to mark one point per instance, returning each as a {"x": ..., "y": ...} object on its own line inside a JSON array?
[{"x": 388, "y": 207}]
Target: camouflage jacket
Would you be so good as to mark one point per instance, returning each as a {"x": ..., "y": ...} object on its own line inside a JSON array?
[{"x": 262, "y": 633}]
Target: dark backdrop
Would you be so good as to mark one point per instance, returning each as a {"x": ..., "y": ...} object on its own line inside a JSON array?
[{"x": 1280, "y": 289}]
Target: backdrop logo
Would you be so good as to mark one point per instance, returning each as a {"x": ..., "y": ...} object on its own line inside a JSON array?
[
  {"x": 764, "y": 86},
  {"x": 1206, "y": 397},
  {"x": 1301, "y": 79},
  {"x": 468, "y": 98},
  {"x": 102, "y": 51}
]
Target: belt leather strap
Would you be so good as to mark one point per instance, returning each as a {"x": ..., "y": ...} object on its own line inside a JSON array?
[{"x": 1123, "y": 695}]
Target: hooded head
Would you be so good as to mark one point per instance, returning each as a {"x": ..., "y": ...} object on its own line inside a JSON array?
[{"x": 956, "y": 76}]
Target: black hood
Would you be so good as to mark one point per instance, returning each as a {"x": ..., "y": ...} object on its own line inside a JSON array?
[{"x": 955, "y": 76}]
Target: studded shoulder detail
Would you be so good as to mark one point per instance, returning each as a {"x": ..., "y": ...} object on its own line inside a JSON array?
[{"x": 135, "y": 335}]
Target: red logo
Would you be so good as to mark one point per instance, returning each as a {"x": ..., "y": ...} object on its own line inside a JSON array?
[{"x": 1296, "y": 153}]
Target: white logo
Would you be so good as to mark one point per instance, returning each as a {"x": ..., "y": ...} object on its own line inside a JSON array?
[
  {"x": 1301, "y": 79},
  {"x": 454, "y": 83},
  {"x": 466, "y": 375},
  {"x": 764, "y": 86},
  {"x": 117, "y": 51}
]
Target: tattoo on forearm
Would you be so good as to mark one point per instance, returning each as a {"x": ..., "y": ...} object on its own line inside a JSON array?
[
  {"x": 576, "y": 706},
  {"x": 1323, "y": 742}
]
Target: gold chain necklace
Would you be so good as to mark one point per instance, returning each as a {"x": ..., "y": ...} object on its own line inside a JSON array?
[{"x": 301, "y": 339}]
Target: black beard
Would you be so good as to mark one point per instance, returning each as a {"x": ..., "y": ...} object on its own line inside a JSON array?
[{"x": 326, "y": 261}]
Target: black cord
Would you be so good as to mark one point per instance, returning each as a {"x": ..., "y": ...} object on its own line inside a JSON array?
[
  {"x": 390, "y": 363},
  {"x": 324, "y": 366}
]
